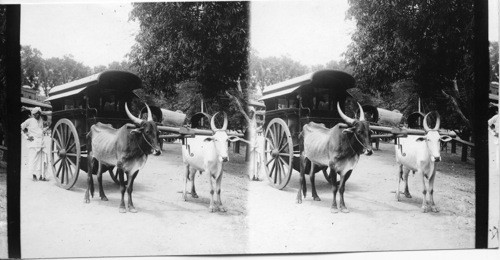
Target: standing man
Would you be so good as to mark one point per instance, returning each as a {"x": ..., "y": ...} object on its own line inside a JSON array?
[{"x": 32, "y": 128}]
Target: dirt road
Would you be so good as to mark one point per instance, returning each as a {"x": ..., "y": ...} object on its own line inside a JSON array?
[
  {"x": 56, "y": 223},
  {"x": 260, "y": 219}
]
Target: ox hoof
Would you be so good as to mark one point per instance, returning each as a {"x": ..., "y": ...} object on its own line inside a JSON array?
[
  {"x": 408, "y": 195},
  {"x": 317, "y": 198},
  {"x": 434, "y": 209},
  {"x": 212, "y": 209},
  {"x": 86, "y": 201},
  {"x": 222, "y": 209},
  {"x": 194, "y": 195},
  {"x": 299, "y": 200},
  {"x": 424, "y": 209},
  {"x": 132, "y": 209},
  {"x": 123, "y": 210},
  {"x": 104, "y": 198},
  {"x": 344, "y": 210},
  {"x": 334, "y": 210}
]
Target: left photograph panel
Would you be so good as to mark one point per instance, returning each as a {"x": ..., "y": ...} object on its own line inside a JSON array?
[{"x": 132, "y": 129}]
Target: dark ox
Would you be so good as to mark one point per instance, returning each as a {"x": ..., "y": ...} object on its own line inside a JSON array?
[
  {"x": 126, "y": 149},
  {"x": 336, "y": 148}
]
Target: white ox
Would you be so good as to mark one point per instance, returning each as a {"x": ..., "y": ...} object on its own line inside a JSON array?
[
  {"x": 420, "y": 154},
  {"x": 207, "y": 154}
]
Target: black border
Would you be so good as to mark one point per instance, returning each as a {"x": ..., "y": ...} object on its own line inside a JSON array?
[
  {"x": 13, "y": 71},
  {"x": 480, "y": 119}
]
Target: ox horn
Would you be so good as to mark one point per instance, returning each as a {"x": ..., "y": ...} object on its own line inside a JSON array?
[
  {"x": 132, "y": 117},
  {"x": 361, "y": 113},
  {"x": 150, "y": 117},
  {"x": 212, "y": 122},
  {"x": 426, "y": 127},
  {"x": 438, "y": 122},
  {"x": 347, "y": 119}
]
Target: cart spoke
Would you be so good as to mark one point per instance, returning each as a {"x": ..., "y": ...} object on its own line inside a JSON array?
[
  {"x": 60, "y": 168},
  {"x": 71, "y": 147},
  {"x": 272, "y": 136},
  {"x": 72, "y": 154},
  {"x": 54, "y": 141},
  {"x": 72, "y": 163},
  {"x": 70, "y": 170},
  {"x": 58, "y": 160},
  {"x": 277, "y": 163},
  {"x": 68, "y": 142},
  {"x": 281, "y": 170},
  {"x": 67, "y": 135},
  {"x": 285, "y": 145},
  {"x": 63, "y": 136},
  {"x": 59, "y": 140},
  {"x": 272, "y": 159},
  {"x": 277, "y": 135},
  {"x": 272, "y": 169},
  {"x": 270, "y": 143},
  {"x": 63, "y": 167}
]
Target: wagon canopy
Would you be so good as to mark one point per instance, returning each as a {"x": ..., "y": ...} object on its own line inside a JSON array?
[
  {"x": 337, "y": 81},
  {"x": 111, "y": 79}
]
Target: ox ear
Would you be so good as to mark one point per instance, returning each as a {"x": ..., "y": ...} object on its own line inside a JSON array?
[
  {"x": 420, "y": 139},
  {"x": 445, "y": 138},
  {"x": 208, "y": 139},
  {"x": 137, "y": 130},
  {"x": 347, "y": 130},
  {"x": 233, "y": 138}
]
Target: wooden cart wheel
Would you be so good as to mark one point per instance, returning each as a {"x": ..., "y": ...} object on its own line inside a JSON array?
[
  {"x": 65, "y": 153},
  {"x": 278, "y": 155}
]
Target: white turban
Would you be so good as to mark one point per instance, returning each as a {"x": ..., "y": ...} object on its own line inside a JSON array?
[{"x": 36, "y": 110}]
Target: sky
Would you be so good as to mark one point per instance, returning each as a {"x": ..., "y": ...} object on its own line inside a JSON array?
[
  {"x": 311, "y": 32},
  {"x": 95, "y": 34}
]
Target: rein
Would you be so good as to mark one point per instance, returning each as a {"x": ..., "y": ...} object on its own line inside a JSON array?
[
  {"x": 139, "y": 145},
  {"x": 355, "y": 136}
]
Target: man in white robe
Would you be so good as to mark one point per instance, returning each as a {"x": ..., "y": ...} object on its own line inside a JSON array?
[{"x": 32, "y": 128}]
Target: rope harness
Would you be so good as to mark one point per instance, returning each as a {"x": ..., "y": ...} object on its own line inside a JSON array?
[
  {"x": 355, "y": 136},
  {"x": 139, "y": 145}
]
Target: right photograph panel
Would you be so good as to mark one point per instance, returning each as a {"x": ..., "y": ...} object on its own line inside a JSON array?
[{"x": 362, "y": 132}]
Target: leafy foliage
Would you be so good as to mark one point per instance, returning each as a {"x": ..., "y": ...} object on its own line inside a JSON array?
[
  {"x": 43, "y": 74},
  {"x": 206, "y": 42},
  {"x": 494, "y": 61},
  {"x": 423, "y": 44},
  {"x": 272, "y": 70}
]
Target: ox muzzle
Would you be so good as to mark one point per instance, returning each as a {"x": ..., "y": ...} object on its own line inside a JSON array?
[
  {"x": 156, "y": 152},
  {"x": 368, "y": 152}
]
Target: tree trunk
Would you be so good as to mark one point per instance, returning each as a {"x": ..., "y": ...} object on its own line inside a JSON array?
[
  {"x": 465, "y": 136},
  {"x": 453, "y": 146}
]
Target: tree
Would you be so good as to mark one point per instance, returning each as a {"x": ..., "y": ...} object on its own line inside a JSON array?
[
  {"x": 33, "y": 67},
  {"x": 272, "y": 70},
  {"x": 425, "y": 43},
  {"x": 206, "y": 42},
  {"x": 43, "y": 74},
  {"x": 494, "y": 61}
]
